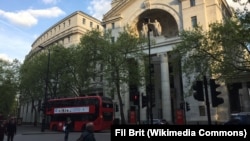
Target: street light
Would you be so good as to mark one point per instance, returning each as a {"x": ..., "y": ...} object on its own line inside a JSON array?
[
  {"x": 149, "y": 95},
  {"x": 46, "y": 90}
]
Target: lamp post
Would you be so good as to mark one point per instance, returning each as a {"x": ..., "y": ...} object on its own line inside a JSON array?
[
  {"x": 45, "y": 91},
  {"x": 149, "y": 95}
]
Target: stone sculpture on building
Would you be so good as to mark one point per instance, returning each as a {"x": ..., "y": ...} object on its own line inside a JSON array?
[{"x": 153, "y": 26}]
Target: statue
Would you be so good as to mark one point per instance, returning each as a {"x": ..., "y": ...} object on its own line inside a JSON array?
[
  {"x": 153, "y": 26},
  {"x": 157, "y": 28},
  {"x": 144, "y": 30}
]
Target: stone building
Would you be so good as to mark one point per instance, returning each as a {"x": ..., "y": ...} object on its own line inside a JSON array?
[
  {"x": 165, "y": 19},
  {"x": 66, "y": 32}
]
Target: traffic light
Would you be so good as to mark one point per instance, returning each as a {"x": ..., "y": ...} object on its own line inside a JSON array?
[
  {"x": 136, "y": 99},
  {"x": 187, "y": 106},
  {"x": 198, "y": 91},
  {"x": 132, "y": 91},
  {"x": 152, "y": 68},
  {"x": 215, "y": 100},
  {"x": 144, "y": 101},
  {"x": 182, "y": 106}
]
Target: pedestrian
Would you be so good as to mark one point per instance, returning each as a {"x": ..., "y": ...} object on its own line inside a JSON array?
[
  {"x": 88, "y": 133},
  {"x": 2, "y": 130},
  {"x": 11, "y": 129},
  {"x": 67, "y": 128}
]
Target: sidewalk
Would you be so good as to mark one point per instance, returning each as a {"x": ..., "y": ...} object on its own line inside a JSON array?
[{"x": 31, "y": 129}]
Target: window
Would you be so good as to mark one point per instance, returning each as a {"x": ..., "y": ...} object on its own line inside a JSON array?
[
  {"x": 192, "y": 3},
  {"x": 112, "y": 39},
  {"x": 69, "y": 39},
  {"x": 69, "y": 22},
  {"x": 83, "y": 21},
  {"x": 202, "y": 110},
  {"x": 97, "y": 26},
  {"x": 194, "y": 21},
  {"x": 113, "y": 25},
  {"x": 91, "y": 24}
]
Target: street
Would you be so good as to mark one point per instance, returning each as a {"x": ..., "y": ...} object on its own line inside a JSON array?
[{"x": 31, "y": 133}]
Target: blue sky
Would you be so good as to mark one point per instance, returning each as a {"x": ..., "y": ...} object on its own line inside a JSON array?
[{"x": 22, "y": 21}]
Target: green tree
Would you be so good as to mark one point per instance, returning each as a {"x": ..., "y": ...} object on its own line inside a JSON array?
[
  {"x": 119, "y": 59},
  {"x": 86, "y": 63},
  {"x": 223, "y": 50},
  {"x": 100, "y": 57},
  {"x": 8, "y": 86}
]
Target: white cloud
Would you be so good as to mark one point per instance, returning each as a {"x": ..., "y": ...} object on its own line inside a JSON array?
[
  {"x": 236, "y": 5},
  {"x": 49, "y": 13},
  {"x": 6, "y": 57},
  {"x": 99, "y": 7},
  {"x": 28, "y": 18},
  {"x": 51, "y": 1}
]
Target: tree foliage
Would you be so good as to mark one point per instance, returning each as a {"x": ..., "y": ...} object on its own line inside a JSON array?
[
  {"x": 8, "y": 86},
  {"x": 120, "y": 59},
  {"x": 95, "y": 62},
  {"x": 223, "y": 50}
]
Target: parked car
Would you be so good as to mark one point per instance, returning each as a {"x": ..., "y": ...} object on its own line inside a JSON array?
[{"x": 242, "y": 118}]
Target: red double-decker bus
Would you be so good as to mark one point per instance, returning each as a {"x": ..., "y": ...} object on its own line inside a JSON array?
[{"x": 80, "y": 110}]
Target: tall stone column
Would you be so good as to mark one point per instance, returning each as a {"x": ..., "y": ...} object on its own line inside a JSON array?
[
  {"x": 142, "y": 91},
  {"x": 165, "y": 86}
]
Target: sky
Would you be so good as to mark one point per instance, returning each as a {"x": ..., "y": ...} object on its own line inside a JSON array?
[{"x": 22, "y": 21}]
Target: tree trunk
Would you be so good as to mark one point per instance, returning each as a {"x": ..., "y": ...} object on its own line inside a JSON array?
[{"x": 120, "y": 98}]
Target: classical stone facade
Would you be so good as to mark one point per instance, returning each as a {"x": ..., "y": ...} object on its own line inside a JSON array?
[
  {"x": 66, "y": 32},
  {"x": 165, "y": 19}
]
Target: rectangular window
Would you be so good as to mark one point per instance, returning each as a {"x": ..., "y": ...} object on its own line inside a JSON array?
[
  {"x": 202, "y": 110},
  {"x": 97, "y": 26},
  {"x": 112, "y": 39},
  {"x": 91, "y": 24},
  {"x": 113, "y": 25},
  {"x": 69, "y": 39},
  {"x": 83, "y": 21},
  {"x": 192, "y": 3},
  {"x": 194, "y": 21},
  {"x": 69, "y": 22}
]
